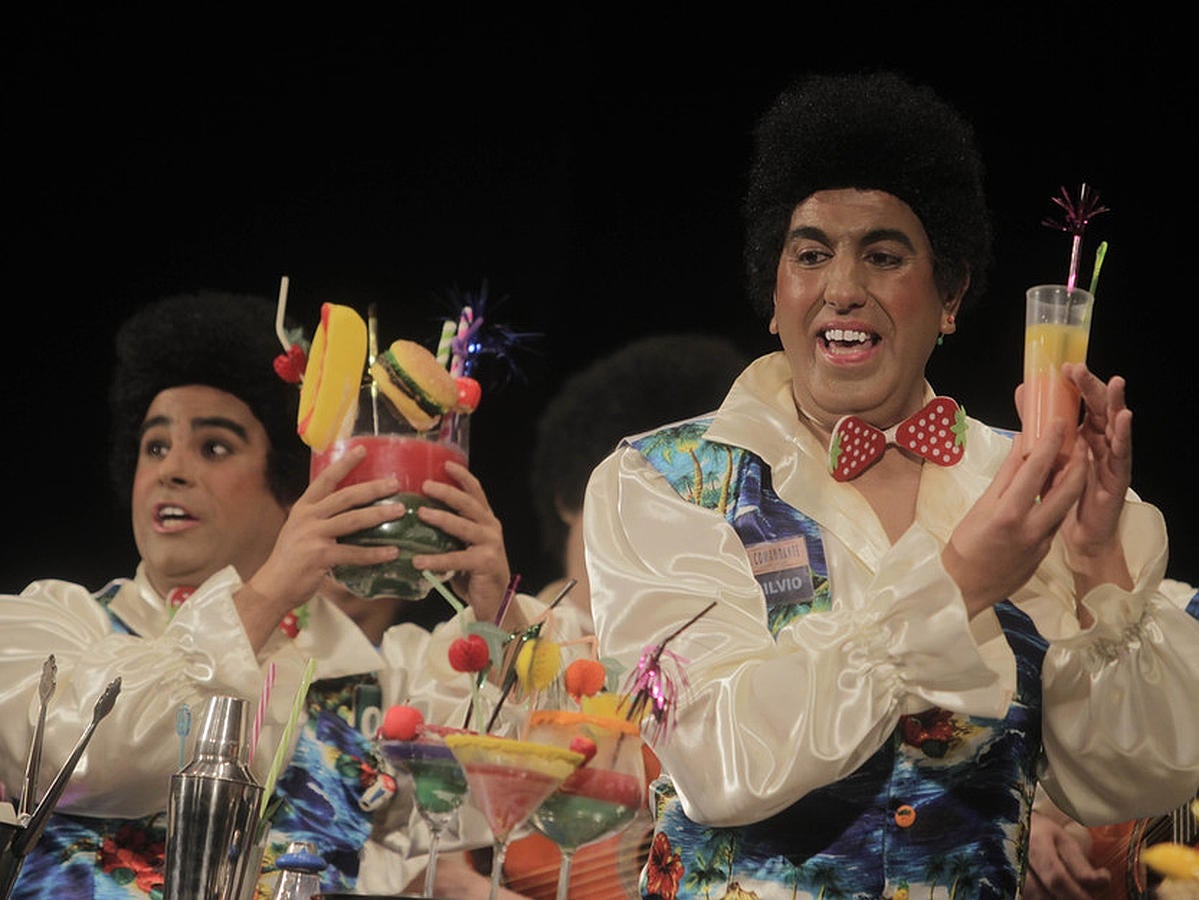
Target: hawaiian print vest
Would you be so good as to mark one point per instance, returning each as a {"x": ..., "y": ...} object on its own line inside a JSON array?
[
  {"x": 315, "y": 800},
  {"x": 941, "y": 810}
]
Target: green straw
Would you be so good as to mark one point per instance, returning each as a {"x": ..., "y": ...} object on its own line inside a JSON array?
[
  {"x": 448, "y": 594},
  {"x": 1100, "y": 252},
  {"x": 474, "y": 710},
  {"x": 285, "y": 741}
]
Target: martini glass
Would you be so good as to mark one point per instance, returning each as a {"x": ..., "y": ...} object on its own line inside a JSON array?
[
  {"x": 439, "y": 785},
  {"x": 394, "y": 447},
  {"x": 509, "y": 779},
  {"x": 602, "y": 796}
]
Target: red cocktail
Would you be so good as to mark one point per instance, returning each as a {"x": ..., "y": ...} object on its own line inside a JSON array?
[{"x": 394, "y": 448}]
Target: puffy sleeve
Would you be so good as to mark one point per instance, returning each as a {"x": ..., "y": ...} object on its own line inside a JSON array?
[
  {"x": 1121, "y": 722},
  {"x": 763, "y": 721},
  {"x": 133, "y": 751}
]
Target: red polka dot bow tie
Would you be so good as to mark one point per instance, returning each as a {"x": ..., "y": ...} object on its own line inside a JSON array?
[{"x": 937, "y": 433}]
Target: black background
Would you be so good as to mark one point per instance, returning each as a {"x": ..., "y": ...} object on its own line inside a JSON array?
[{"x": 586, "y": 165}]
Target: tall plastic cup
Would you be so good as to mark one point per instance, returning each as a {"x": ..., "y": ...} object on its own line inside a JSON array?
[
  {"x": 213, "y": 810},
  {"x": 1057, "y": 327},
  {"x": 393, "y": 447}
]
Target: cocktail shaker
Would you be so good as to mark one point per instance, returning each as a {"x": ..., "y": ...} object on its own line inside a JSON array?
[{"x": 213, "y": 810}]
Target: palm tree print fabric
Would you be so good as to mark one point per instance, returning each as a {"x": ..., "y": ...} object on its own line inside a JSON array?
[{"x": 940, "y": 811}]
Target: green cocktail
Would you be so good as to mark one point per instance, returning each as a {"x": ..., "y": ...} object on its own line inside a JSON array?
[{"x": 438, "y": 783}]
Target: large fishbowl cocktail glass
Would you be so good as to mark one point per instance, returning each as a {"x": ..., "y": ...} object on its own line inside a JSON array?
[{"x": 393, "y": 447}]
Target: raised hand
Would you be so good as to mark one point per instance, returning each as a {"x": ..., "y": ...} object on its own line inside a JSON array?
[
  {"x": 1003, "y": 537},
  {"x": 481, "y": 567},
  {"x": 307, "y": 546},
  {"x": 1091, "y": 530}
]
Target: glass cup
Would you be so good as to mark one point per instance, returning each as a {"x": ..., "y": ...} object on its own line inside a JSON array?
[
  {"x": 1057, "y": 327},
  {"x": 439, "y": 784},
  {"x": 508, "y": 779},
  {"x": 395, "y": 448},
  {"x": 601, "y": 797}
]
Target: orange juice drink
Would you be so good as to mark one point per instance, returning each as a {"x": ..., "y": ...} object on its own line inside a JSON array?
[{"x": 1057, "y": 329}]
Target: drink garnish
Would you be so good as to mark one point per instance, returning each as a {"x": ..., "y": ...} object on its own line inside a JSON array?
[{"x": 1076, "y": 216}]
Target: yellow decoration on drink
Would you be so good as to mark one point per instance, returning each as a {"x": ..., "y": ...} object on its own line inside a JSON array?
[
  {"x": 329, "y": 392},
  {"x": 538, "y": 664}
]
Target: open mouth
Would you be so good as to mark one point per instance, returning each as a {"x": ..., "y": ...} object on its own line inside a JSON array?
[
  {"x": 168, "y": 516},
  {"x": 847, "y": 339}
]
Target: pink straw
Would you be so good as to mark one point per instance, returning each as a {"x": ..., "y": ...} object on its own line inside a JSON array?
[
  {"x": 458, "y": 360},
  {"x": 264, "y": 701}
]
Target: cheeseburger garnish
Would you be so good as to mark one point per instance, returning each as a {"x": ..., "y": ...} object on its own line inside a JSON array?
[
  {"x": 416, "y": 386},
  {"x": 332, "y": 377}
]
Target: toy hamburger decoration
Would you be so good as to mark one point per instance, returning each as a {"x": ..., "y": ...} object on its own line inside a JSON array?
[{"x": 414, "y": 385}]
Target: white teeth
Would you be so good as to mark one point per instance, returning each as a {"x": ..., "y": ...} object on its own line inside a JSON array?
[
  {"x": 172, "y": 512},
  {"x": 843, "y": 334}
]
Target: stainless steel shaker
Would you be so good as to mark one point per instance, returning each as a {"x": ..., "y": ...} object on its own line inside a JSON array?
[{"x": 213, "y": 810}]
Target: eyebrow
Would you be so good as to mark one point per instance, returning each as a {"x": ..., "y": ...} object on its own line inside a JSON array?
[
  {"x": 870, "y": 237},
  {"x": 198, "y": 423}
]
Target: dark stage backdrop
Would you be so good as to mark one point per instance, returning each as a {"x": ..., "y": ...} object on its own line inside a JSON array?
[{"x": 586, "y": 166}]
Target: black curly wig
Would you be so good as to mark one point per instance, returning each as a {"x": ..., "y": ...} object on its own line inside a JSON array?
[
  {"x": 212, "y": 338},
  {"x": 871, "y": 131},
  {"x": 647, "y": 382}
]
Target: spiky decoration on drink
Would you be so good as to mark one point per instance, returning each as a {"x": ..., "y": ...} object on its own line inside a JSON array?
[
  {"x": 1077, "y": 215},
  {"x": 650, "y": 691}
]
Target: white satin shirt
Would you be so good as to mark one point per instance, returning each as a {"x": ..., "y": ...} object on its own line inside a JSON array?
[{"x": 762, "y": 721}]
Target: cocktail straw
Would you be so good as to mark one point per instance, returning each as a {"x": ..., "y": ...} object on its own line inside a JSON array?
[
  {"x": 458, "y": 360},
  {"x": 264, "y": 702},
  {"x": 650, "y": 686},
  {"x": 513, "y": 583},
  {"x": 1074, "y": 222},
  {"x": 533, "y": 631},
  {"x": 446, "y": 340},
  {"x": 284, "y": 742},
  {"x": 183, "y": 727},
  {"x": 472, "y": 710},
  {"x": 280, "y": 311},
  {"x": 1100, "y": 253},
  {"x": 446, "y": 593},
  {"x": 372, "y": 351}
]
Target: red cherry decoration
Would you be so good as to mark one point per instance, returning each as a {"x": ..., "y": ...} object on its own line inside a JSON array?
[
  {"x": 584, "y": 745},
  {"x": 290, "y": 366},
  {"x": 469, "y": 654},
  {"x": 401, "y": 723},
  {"x": 469, "y": 394}
]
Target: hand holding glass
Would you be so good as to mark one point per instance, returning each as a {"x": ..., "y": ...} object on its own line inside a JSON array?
[
  {"x": 395, "y": 448},
  {"x": 1057, "y": 327}
]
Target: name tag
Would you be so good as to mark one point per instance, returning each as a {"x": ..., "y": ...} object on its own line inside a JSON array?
[{"x": 782, "y": 570}]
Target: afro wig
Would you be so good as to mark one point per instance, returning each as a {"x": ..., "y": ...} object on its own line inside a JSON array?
[
  {"x": 873, "y": 131},
  {"x": 221, "y": 340},
  {"x": 648, "y": 382}
]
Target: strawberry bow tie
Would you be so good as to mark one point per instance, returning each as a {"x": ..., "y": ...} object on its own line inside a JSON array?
[{"x": 937, "y": 433}]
